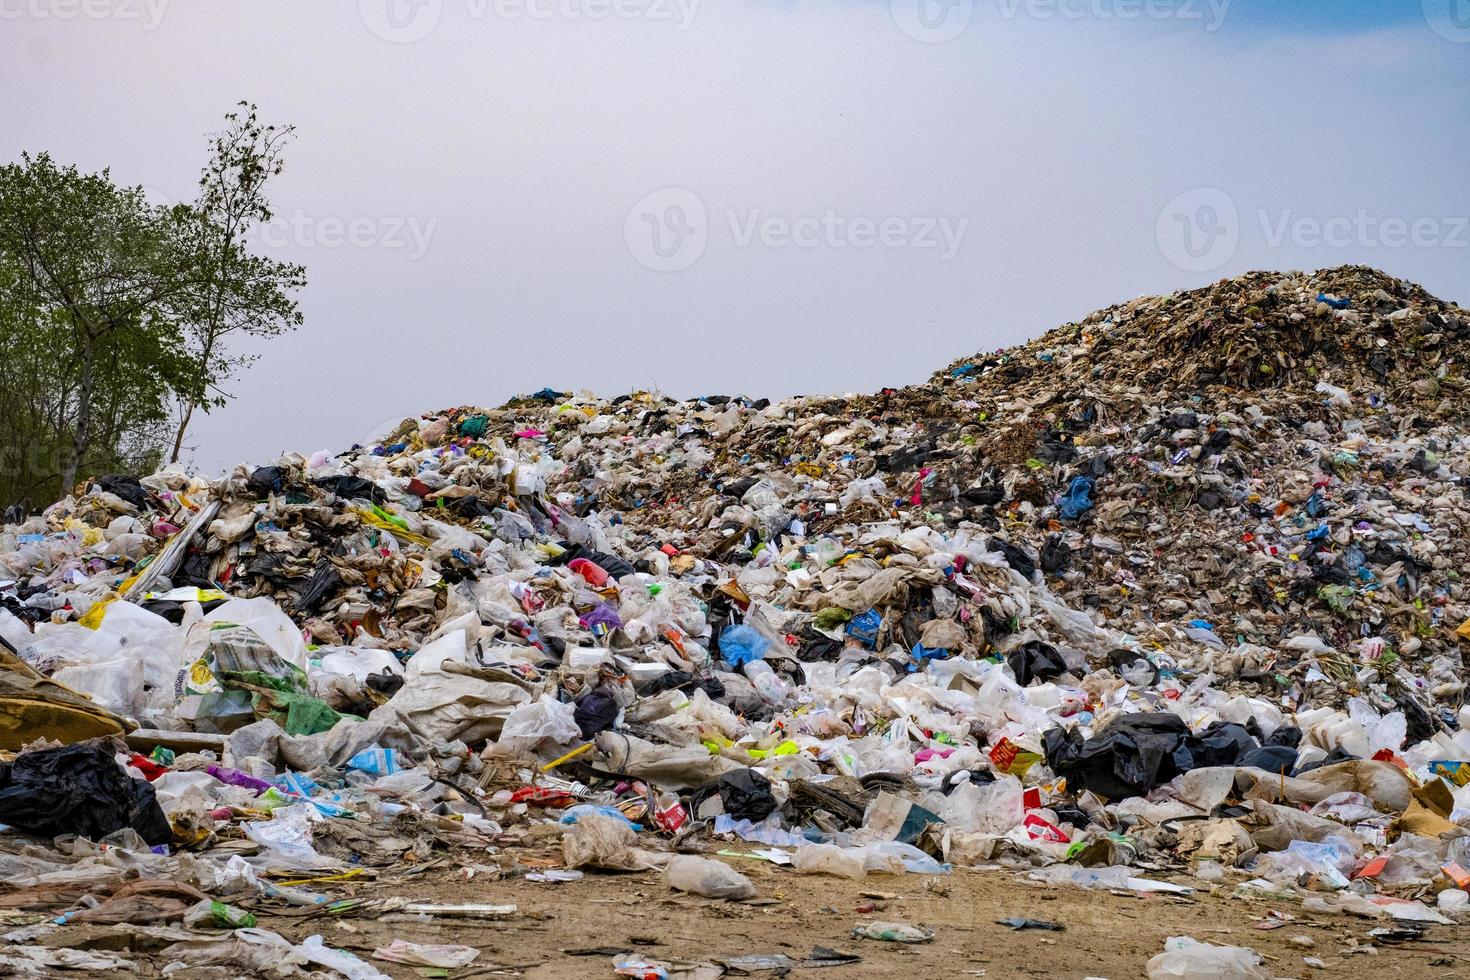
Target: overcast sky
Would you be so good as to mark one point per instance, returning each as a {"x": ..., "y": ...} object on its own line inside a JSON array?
[{"x": 718, "y": 196}]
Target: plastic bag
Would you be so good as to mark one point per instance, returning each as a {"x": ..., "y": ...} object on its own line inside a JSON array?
[
  {"x": 772, "y": 689},
  {"x": 79, "y": 789},
  {"x": 1035, "y": 661},
  {"x": 600, "y": 841},
  {"x": 882, "y": 855},
  {"x": 829, "y": 859},
  {"x": 181, "y": 792},
  {"x": 1185, "y": 958},
  {"x": 893, "y": 932},
  {"x": 358, "y": 662},
  {"x": 987, "y": 808},
  {"x": 376, "y": 761},
  {"x": 869, "y": 489},
  {"x": 740, "y": 645},
  {"x": 547, "y": 718},
  {"x": 431, "y": 657},
  {"x": 744, "y": 793},
  {"x": 711, "y": 879},
  {"x": 319, "y": 953},
  {"x": 286, "y": 838},
  {"x": 257, "y": 952},
  {"x": 444, "y": 957},
  {"x": 210, "y": 914},
  {"x": 268, "y": 622}
]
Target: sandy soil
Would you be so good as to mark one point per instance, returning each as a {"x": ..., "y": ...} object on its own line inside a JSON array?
[{"x": 1106, "y": 935}]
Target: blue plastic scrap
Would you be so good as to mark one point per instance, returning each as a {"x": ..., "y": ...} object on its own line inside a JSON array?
[
  {"x": 1078, "y": 498},
  {"x": 864, "y": 627}
]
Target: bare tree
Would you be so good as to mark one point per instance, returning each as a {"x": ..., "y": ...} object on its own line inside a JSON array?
[{"x": 243, "y": 295}]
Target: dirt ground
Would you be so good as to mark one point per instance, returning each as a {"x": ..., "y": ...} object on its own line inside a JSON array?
[{"x": 1106, "y": 935}]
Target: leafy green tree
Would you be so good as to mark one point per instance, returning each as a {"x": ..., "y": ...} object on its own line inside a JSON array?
[
  {"x": 117, "y": 318},
  {"x": 95, "y": 280}
]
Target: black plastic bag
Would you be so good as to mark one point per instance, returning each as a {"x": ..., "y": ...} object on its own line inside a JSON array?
[
  {"x": 1035, "y": 661},
  {"x": 612, "y": 564},
  {"x": 983, "y": 496},
  {"x": 1287, "y": 736},
  {"x": 1337, "y": 755},
  {"x": 745, "y": 793},
  {"x": 816, "y": 645},
  {"x": 596, "y": 711},
  {"x": 78, "y": 789},
  {"x": 1015, "y": 557},
  {"x": 385, "y": 682},
  {"x": 324, "y": 583},
  {"x": 267, "y": 480},
  {"x": 1221, "y": 744},
  {"x": 127, "y": 487},
  {"x": 1133, "y": 667},
  {"x": 353, "y": 488},
  {"x": 1276, "y": 759},
  {"x": 1056, "y": 555},
  {"x": 1129, "y": 758},
  {"x": 683, "y": 680}
]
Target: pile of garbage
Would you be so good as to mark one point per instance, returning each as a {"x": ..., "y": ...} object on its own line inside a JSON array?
[{"x": 1174, "y": 590}]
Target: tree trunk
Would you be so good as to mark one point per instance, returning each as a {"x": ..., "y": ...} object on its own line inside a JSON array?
[
  {"x": 84, "y": 416},
  {"x": 179, "y": 436}
]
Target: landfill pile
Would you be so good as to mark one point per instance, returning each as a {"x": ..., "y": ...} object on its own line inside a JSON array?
[{"x": 1166, "y": 600}]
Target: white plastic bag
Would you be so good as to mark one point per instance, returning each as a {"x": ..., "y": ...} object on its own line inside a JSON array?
[
  {"x": 829, "y": 859},
  {"x": 1186, "y": 958},
  {"x": 286, "y": 838},
  {"x": 547, "y": 718},
  {"x": 358, "y": 662},
  {"x": 319, "y": 953},
  {"x": 711, "y": 879}
]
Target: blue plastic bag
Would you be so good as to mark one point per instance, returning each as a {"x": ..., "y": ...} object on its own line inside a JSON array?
[
  {"x": 579, "y": 811},
  {"x": 921, "y": 653},
  {"x": 739, "y": 645}
]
